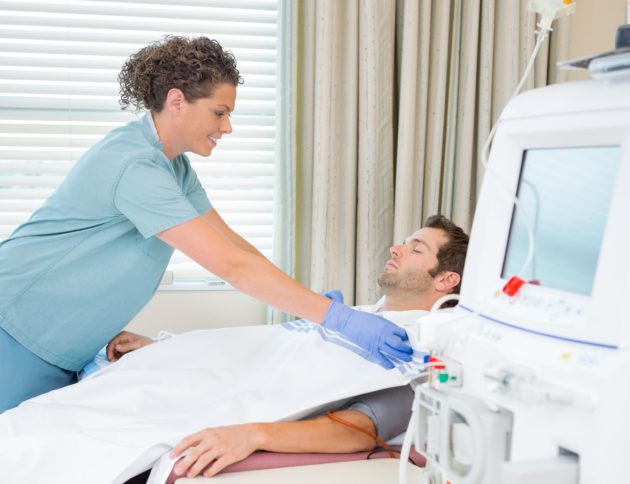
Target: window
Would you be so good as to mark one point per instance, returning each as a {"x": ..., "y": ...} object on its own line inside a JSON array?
[{"x": 59, "y": 60}]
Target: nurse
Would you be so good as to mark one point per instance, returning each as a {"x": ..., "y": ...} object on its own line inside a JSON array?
[{"x": 93, "y": 255}]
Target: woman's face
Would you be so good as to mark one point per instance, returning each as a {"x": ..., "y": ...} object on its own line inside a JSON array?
[{"x": 207, "y": 119}]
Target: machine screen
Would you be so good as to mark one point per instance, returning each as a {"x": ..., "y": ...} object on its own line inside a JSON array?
[{"x": 565, "y": 193}]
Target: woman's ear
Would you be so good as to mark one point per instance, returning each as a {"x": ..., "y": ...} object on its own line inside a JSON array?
[
  {"x": 174, "y": 100},
  {"x": 447, "y": 281}
]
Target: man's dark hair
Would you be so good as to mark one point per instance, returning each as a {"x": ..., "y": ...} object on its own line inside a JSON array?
[{"x": 452, "y": 255}]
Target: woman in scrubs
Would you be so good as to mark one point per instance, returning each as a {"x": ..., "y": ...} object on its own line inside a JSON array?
[{"x": 93, "y": 255}]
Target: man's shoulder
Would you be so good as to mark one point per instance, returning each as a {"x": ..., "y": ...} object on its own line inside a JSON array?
[
  {"x": 401, "y": 317},
  {"x": 398, "y": 317},
  {"x": 369, "y": 308}
]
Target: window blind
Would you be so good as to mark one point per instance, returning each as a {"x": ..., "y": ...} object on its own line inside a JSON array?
[{"x": 59, "y": 60}]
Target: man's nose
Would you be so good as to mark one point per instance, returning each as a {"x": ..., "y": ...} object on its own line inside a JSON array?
[{"x": 395, "y": 250}]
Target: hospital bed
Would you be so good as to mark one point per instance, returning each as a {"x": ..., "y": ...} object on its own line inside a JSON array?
[
  {"x": 122, "y": 419},
  {"x": 378, "y": 471},
  {"x": 379, "y": 465}
]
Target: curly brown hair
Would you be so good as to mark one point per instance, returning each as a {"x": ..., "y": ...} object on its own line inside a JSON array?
[{"x": 195, "y": 66}]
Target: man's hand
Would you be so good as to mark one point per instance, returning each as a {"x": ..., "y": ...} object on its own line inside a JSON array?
[
  {"x": 213, "y": 449},
  {"x": 125, "y": 342}
]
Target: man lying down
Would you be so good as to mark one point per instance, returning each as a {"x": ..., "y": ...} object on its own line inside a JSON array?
[{"x": 115, "y": 424}]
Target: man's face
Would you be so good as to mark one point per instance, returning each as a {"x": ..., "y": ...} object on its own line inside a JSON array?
[{"x": 410, "y": 263}]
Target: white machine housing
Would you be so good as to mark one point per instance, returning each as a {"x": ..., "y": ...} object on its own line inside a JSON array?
[
  {"x": 551, "y": 363},
  {"x": 583, "y": 114}
]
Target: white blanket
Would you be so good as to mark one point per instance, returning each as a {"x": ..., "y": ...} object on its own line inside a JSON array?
[{"x": 116, "y": 423}]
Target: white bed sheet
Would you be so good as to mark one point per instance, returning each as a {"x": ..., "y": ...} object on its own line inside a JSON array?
[{"x": 117, "y": 422}]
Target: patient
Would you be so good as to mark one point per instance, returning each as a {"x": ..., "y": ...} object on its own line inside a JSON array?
[{"x": 427, "y": 266}]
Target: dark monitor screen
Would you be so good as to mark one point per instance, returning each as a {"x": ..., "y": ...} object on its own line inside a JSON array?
[{"x": 565, "y": 193}]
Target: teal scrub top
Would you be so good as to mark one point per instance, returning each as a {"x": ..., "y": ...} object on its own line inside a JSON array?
[{"x": 88, "y": 260}]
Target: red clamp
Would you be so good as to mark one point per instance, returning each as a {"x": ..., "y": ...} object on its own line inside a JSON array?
[
  {"x": 436, "y": 363},
  {"x": 513, "y": 286}
]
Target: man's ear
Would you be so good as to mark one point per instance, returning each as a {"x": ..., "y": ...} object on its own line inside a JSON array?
[
  {"x": 446, "y": 281},
  {"x": 174, "y": 100}
]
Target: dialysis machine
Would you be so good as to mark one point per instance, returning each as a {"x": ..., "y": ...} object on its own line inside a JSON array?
[{"x": 533, "y": 381}]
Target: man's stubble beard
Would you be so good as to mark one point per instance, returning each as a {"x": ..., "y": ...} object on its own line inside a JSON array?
[{"x": 416, "y": 283}]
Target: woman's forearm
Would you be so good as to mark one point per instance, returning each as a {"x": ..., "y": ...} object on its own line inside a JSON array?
[
  {"x": 214, "y": 219},
  {"x": 246, "y": 271}
]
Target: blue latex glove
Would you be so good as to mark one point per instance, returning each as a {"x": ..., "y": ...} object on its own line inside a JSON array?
[
  {"x": 380, "y": 337},
  {"x": 334, "y": 295}
]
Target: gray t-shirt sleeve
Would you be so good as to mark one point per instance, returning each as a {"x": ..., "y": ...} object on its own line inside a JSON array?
[{"x": 389, "y": 409}]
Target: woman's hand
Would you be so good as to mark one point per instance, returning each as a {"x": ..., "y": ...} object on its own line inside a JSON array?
[
  {"x": 213, "y": 449},
  {"x": 385, "y": 341},
  {"x": 125, "y": 342}
]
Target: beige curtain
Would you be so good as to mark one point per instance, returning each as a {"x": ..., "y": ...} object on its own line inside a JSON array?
[
  {"x": 459, "y": 62},
  {"x": 390, "y": 102}
]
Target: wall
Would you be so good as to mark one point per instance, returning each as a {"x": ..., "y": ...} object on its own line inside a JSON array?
[
  {"x": 179, "y": 311},
  {"x": 593, "y": 27}
]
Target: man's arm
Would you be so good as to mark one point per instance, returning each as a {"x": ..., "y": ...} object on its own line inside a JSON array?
[
  {"x": 226, "y": 445},
  {"x": 389, "y": 409},
  {"x": 384, "y": 413}
]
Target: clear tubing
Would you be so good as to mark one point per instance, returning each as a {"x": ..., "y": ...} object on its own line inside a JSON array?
[{"x": 541, "y": 36}]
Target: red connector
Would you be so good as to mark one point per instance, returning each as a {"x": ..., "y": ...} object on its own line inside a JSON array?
[
  {"x": 513, "y": 286},
  {"x": 436, "y": 363}
]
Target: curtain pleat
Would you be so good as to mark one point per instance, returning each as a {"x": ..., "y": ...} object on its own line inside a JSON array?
[
  {"x": 463, "y": 191},
  {"x": 375, "y": 202},
  {"x": 412, "y": 114},
  {"x": 335, "y": 147}
]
